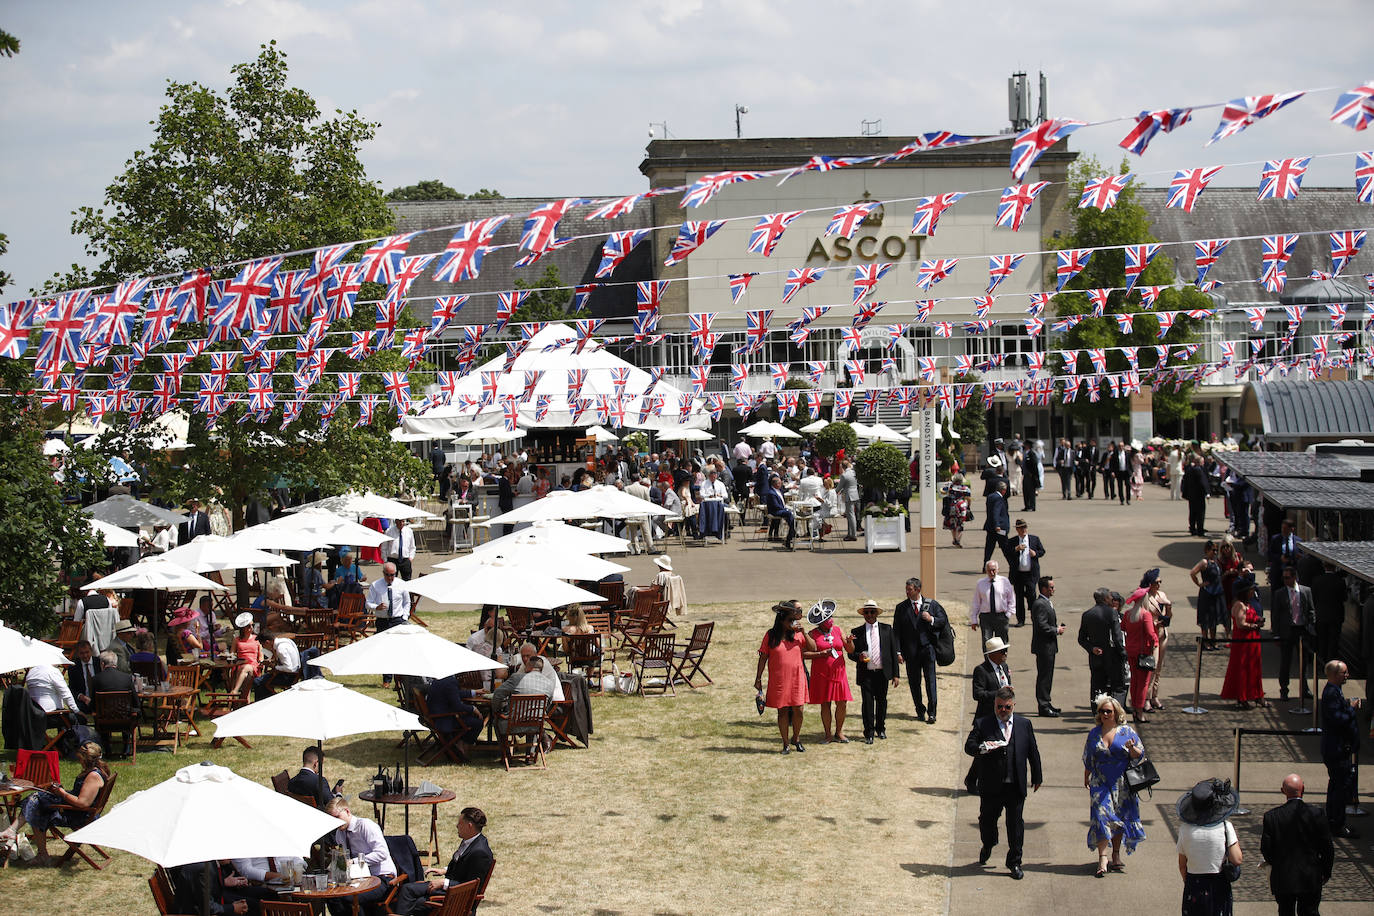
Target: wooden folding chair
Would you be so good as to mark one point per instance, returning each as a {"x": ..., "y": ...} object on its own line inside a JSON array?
[
  {"x": 560, "y": 721},
  {"x": 613, "y": 592},
  {"x": 438, "y": 743},
  {"x": 225, "y": 601},
  {"x": 632, "y": 636},
  {"x": 279, "y": 781},
  {"x": 586, "y": 652},
  {"x": 520, "y": 620},
  {"x": 60, "y": 719},
  {"x": 303, "y": 799},
  {"x": 162, "y": 894},
  {"x": 692, "y": 653},
  {"x": 482, "y": 886},
  {"x": 285, "y": 908},
  {"x": 459, "y": 900},
  {"x": 217, "y": 704},
  {"x": 524, "y": 732},
  {"x": 117, "y": 711},
  {"x": 352, "y": 620},
  {"x": 38, "y": 767},
  {"x": 652, "y": 657},
  {"x": 322, "y": 621},
  {"x": 393, "y": 888},
  {"x": 68, "y": 635},
  {"x": 97, "y": 808}
]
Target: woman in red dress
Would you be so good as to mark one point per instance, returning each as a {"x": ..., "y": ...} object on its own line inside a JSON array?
[
  {"x": 781, "y": 652},
  {"x": 1244, "y": 678},
  {"x": 829, "y": 677},
  {"x": 1138, "y": 627}
]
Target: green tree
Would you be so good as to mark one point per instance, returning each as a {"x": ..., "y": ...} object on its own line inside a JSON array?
[
  {"x": 836, "y": 436},
  {"x": 9, "y": 45},
  {"x": 434, "y": 189},
  {"x": 1125, "y": 224},
  {"x": 548, "y": 300},
  {"x": 882, "y": 467}
]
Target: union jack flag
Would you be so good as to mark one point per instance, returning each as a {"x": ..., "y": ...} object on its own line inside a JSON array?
[
  {"x": 1187, "y": 185},
  {"x": 191, "y": 299},
  {"x": 739, "y": 374},
  {"x": 648, "y": 295},
  {"x": 445, "y": 308},
  {"x": 507, "y": 304},
  {"x": 620, "y": 377},
  {"x": 822, "y": 164},
  {"x": 1072, "y": 261},
  {"x": 925, "y": 368},
  {"x": 699, "y": 375},
  {"x": 242, "y": 296},
  {"x": 1068, "y": 322},
  {"x": 1138, "y": 257},
  {"x": 846, "y": 220},
  {"x": 615, "y": 208},
  {"x": 808, "y": 314},
  {"x": 261, "y": 397},
  {"x": 978, "y": 327},
  {"x": 14, "y": 333},
  {"x": 491, "y": 379},
  {"x": 1355, "y": 109},
  {"x": 1016, "y": 202},
  {"x": 813, "y": 404},
  {"x": 1099, "y": 299},
  {"x": 1239, "y": 114},
  {"x": 932, "y": 140},
  {"x": 963, "y": 363},
  {"x": 1275, "y": 250},
  {"x": 348, "y": 384},
  {"x": 1001, "y": 266},
  {"x": 541, "y": 225},
  {"x": 1256, "y": 318},
  {"x": 532, "y": 378},
  {"x": 122, "y": 307},
  {"x": 779, "y": 372},
  {"x": 61, "y": 339},
  {"x": 1132, "y": 355},
  {"x": 576, "y": 408},
  {"x": 1125, "y": 321},
  {"x": 414, "y": 344},
  {"x": 769, "y": 230},
  {"x": 797, "y": 278},
  {"x": 708, "y": 186},
  {"x": 1166, "y": 321},
  {"x": 160, "y": 320},
  {"x": 1103, "y": 192},
  {"x": 844, "y": 400},
  {"x": 1321, "y": 348},
  {"x": 865, "y": 313},
  {"x": 929, "y": 211},
  {"x": 1150, "y": 123},
  {"x": 1344, "y": 246},
  {"x": 870, "y": 402},
  {"x": 1364, "y": 177},
  {"x": 1208, "y": 253},
  {"x": 684, "y": 408},
  {"x": 397, "y": 386},
  {"x": 815, "y": 368},
  {"x": 312, "y": 284},
  {"x": 852, "y": 339},
  {"x": 617, "y": 248},
  {"x": 211, "y": 398},
  {"x": 367, "y": 406},
  {"x": 866, "y": 276},
  {"x": 1280, "y": 179},
  {"x": 745, "y": 404},
  {"x": 855, "y": 368},
  {"x": 691, "y": 235},
  {"x": 738, "y": 284},
  {"x": 703, "y": 341},
  {"x": 1149, "y": 295},
  {"x": 1034, "y": 326},
  {"x": 928, "y": 273},
  {"x": 340, "y": 293},
  {"x": 755, "y": 329},
  {"x": 534, "y": 256},
  {"x": 1070, "y": 358},
  {"x": 1035, "y": 362},
  {"x": 982, "y": 305},
  {"x": 1030, "y": 143},
  {"x": 923, "y": 309},
  {"x": 410, "y": 269},
  {"x": 388, "y": 313},
  {"x": 462, "y": 257},
  {"x": 381, "y": 261},
  {"x": 360, "y": 346}
]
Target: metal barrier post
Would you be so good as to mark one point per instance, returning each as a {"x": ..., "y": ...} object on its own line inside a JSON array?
[
  {"x": 1301, "y": 710},
  {"x": 1314, "y": 727},
  {"x": 1196, "y": 709},
  {"x": 1235, "y": 772}
]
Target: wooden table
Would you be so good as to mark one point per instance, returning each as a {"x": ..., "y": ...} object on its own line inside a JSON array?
[
  {"x": 434, "y": 801},
  {"x": 10, "y": 792},
  {"x": 351, "y": 889},
  {"x": 167, "y": 711}
]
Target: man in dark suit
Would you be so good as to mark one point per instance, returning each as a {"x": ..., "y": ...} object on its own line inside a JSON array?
[
  {"x": 777, "y": 509},
  {"x": 1063, "y": 466},
  {"x": 1002, "y": 745},
  {"x": 1296, "y": 844},
  {"x": 1023, "y": 551},
  {"x": 472, "y": 861},
  {"x": 990, "y": 676},
  {"x": 1340, "y": 737},
  {"x": 448, "y": 704},
  {"x": 1106, "y": 463},
  {"x": 1099, "y": 633},
  {"x": 1045, "y": 632},
  {"x": 197, "y": 524},
  {"x": 82, "y": 671},
  {"x": 1032, "y": 470},
  {"x": 875, "y": 660},
  {"x": 109, "y": 679},
  {"x": 308, "y": 781},
  {"x": 1194, "y": 489},
  {"x": 1328, "y": 604},
  {"x": 997, "y": 521},
  {"x": 1292, "y": 620},
  {"x": 1090, "y": 457},
  {"x": 1283, "y": 552},
  {"x": 917, "y": 624}
]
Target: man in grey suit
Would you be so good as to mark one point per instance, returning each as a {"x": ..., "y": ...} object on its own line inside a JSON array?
[
  {"x": 1045, "y": 632},
  {"x": 849, "y": 493},
  {"x": 1293, "y": 619}
]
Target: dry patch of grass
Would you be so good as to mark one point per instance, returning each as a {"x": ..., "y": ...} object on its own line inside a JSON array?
[{"x": 681, "y": 805}]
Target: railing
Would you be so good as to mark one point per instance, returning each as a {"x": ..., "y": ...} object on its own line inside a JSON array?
[{"x": 1197, "y": 709}]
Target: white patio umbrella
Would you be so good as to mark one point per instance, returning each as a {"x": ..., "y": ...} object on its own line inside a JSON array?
[
  {"x": 552, "y": 561},
  {"x": 20, "y": 651},
  {"x": 399, "y": 434},
  {"x": 783, "y": 432},
  {"x": 490, "y": 435},
  {"x": 155, "y": 573},
  {"x": 332, "y": 529},
  {"x": 884, "y": 433},
  {"x": 315, "y": 709},
  {"x": 815, "y": 426},
  {"x": 169, "y": 823},
  {"x": 601, "y": 434},
  {"x": 407, "y": 649},
  {"x": 757, "y": 428},
  {"x": 111, "y": 535},
  {"x": 364, "y": 505},
  {"x": 684, "y": 434},
  {"x": 212, "y": 553},
  {"x": 271, "y": 536},
  {"x": 127, "y": 512},
  {"x": 556, "y": 533},
  {"x": 498, "y": 581}
]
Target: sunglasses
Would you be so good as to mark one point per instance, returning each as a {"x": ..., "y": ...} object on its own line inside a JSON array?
[{"x": 1005, "y": 706}]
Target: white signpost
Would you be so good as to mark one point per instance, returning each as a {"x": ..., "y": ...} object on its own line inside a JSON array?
[{"x": 930, "y": 499}]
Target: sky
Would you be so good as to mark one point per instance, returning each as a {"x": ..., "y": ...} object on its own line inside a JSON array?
[{"x": 555, "y": 99}]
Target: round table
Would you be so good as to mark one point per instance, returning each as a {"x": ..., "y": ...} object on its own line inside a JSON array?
[
  {"x": 434, "y": 801},
  {"x": 167, "y": 706},
  {"x": 10, "y": 792},
  {"x": 351, "y": 889}
]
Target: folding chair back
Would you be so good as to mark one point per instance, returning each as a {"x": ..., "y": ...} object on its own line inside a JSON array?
[
  {"x": 585, "y": 652},
  {"x": 521, "y": 620},
  {"x": 600, "y": 621},
  {"x": 285, "y": 908},
  {"x": 458, "y": 900},
  {"x": 524, "y": 721},
  {"x": 184, "y": 676},
  {"x": 149, "y": 671},
  {"x": 224, "y": 600},
  {"x": 437, "y": 743},
  {"x": 352, "y": 619},
  {"x": 303, "y": 799},
  {"x": 162, "y": 894},
  {"x": 690, "y": 656},
  {"x": 482, "y": 888},
  {"x": 325, "y": 642},
  {"x": 38, "y": 767},
  {"x": 613, "y": 592},
  {"x": 126, "y": 607},
  {"x": 279, "y": 781},
  {"x": 652, "y": 657},
  {"x": 471, "y": 680},
  {"x": 117, "y": 711},
  {"x": 68, "y": 634},
  {"x": 318, "y": 620},
  {"x": 97, "y": 808}
]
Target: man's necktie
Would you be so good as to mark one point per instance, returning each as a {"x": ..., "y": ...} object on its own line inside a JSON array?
[{"x": 389, "y": 608}]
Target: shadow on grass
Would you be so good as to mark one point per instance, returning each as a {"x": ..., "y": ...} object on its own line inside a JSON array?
[
  {"x": 759, "y": 748},
  {"x": 935, "y": 791}
]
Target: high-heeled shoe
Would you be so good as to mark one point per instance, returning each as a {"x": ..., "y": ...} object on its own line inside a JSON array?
[{"x": 1101, "y": 867}]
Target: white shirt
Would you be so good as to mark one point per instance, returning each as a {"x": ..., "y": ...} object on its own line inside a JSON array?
[
  {"x": 165, "y": 539},
  {"x": 257, "y": 869},
  {"x": 399, "y": 599},
  {"x": 743, "y": 450},
  {"x": 768, "y": 450},
  {"x": 287, "y": 655},
  {"x": 1205, "y": 847},
  {"x": 402, "y": 542},
  {"x": 364, "y": 838},
  {"x": 1002, "y": 602},
  {"x": 1025, "y": 556},
  {"x": 49, "y": 689},
  {"x": 714, "y": 489},
  {"x": 875, "y": 652}
]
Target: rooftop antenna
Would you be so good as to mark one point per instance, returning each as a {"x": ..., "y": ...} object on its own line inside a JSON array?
[
  {"x": 1018, "y": 102},
  {"x": 1043, "y": 114},
  {"x": 871, "y": 128},
  {"x": 740, "y": 110},
  {"x": 662, "y": 130}
]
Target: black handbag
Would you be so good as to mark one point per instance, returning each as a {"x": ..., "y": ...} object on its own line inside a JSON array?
[
  {"x": 944, "y": 645},
  {"x": 1145, "y": 661},
  {"x": 1141, "y": 775}
]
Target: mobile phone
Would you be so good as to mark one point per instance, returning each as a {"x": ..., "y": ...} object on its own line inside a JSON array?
[{"x": 337, "y": 786}]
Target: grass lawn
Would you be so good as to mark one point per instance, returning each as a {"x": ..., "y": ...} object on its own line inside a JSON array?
[{"x": 681, "y": 805}]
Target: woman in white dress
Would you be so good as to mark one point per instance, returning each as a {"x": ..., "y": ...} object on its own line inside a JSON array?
[{"x": 1014, "y": 459}]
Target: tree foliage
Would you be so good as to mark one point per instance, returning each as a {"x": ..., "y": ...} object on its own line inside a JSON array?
[
  {"x": 1125, "y": 224},
  {"x": 9, "y": 45},
  {"x": 836, "y": 436},
  {"x": 434, "y": 189},
  {"x": 548, "y": 300}
]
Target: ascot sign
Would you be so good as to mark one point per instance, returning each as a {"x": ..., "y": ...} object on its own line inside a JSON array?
[{"x": 867, "y": 248}]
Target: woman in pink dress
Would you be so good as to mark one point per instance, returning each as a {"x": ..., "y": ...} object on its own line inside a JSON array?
[
  {"x": 1244, "y": 679},
  {"x": 781, "y": 653},
  {"x": 829, "y": 677},
  {"x": 1138, "y": 627}
]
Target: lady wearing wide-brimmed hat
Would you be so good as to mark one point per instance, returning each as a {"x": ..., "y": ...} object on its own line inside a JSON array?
[
  {"x": 781, "y": 652},
  {"x": 181, "y": 624},
  {"x": 1150, "y": 596},
  {"x": 1206, "y": 843},
  {"x": 829, "y": 676},
  {"x": 1113, "y": 810},
  {"x": 957, "y": 507}
]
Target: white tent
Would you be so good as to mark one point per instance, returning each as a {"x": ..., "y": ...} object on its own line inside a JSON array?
[
  {"x": 601, "y": 434},
  {"x": 490, "y": 435},
  {"x": 553, "y": 351}
]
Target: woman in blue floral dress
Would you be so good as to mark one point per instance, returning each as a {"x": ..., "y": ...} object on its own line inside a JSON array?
[{"x": 1114, "y": 812}]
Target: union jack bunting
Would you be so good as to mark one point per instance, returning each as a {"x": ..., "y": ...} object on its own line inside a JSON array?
[
  {"x": 340, "y": 293},
  {"x": 581, "y": 295},
  {"x": 617, "y": 248},
  {"x": 739, "y": 374},
  {"x": 1275, "y": 250},
  {"x": 822, "y": 164},
  {"x": 620, "y": 377},
  {"x": 123, "y": 307},
  {"x": 312, "y": 283},
  {"x": 982, "y": 305},
  {"x": 797, "y": 278},
  {"x": 715, "y": 404},
  {"x": 14, "y": 333},
  {"x": 846, "y": 220},
  {"x": 779, "y": 372},
  {"x": 1099, "y": 298},
  {"x": 851, "y": 338},
  {"x": 963, "y": 362},
  {"x": 923, "y": 309},
  {"x": 855, "y": 368},
  {"x": 945, "y": 395},
  {"x": 1344, "y": 246},
  {"x": 160, "y": 318},
  {"x": 1208, "y": 252},
  {"x": 1132, "y": 355},
  {"x": 1256, "y": 318},
  {"x": 844, "y": 400},
  {"x": 1068, "y": 322},
  {"x": 1032, "y": 142},
  {"x": 1103, "y": 192},
  {"x": 1295, "y": 315},
  {"x": 1072, "y": 261},
  {"x": 1035, "y": 363},
  {"x": 532, "y": 378},
  {"x": 585, "y": 328},
  {"x": 708, "y": 186},
  {"x": 1364, "y": 177},
  {"x": 242, "y": 296},
  {"x": 699, "y": 330},
  {"x": 1098, "y": 357},
  {"x": 576, "y": 408},
  {"x": 1355, "y": 109},
  {"x": 1138, "y": 257},
  {"x": 1001, "y": 266},
  {"x": 1337, "y": 311},
  {"x": 445, "y": 308},
  {"x": 491, "y": 379},
  {"x": 769, "y": 230},
  {"x": 756, "y": 329},
  {"x": 618, "y": 207},
  {"x": 60, "y": 341},
  {"x": 261, "y": 397},
  {"x": 410, "y": 268},
  {"x": 137, "y": 408},
  {"x": 866, "y": 276},
  {"x": 1034, "y": 326},
  {"x": 397, "y": 386},
  {"x": 388, "y": 313},
  {"x": 97, "y": 406},
  {"x": 381, "y": 261},
  {"x": 360, "y": 345},
  {"x": 699, "y": 376},
  {"x": 1187, "y": 185},
  {"x": 1280, "y": 179},
  {"x": 930, "y": 209},
  {"x": 978, "y": 326},
  {"x": 1150, "y": 123},
  {"x": 815, "y": 368},
  {"x": 507, "y": 304},
  {"x": 813, "y": 404},
  {"x": 928, "y": 273},
  {"x": 1149, "y": 295},
  {"x": 745, "y": 404},
  {"x": 462, "y": 257},
  {"x": 367, "y": 406},
  {"x": 648, "y": 295},
  {"x": 943, "y": 328},
  {"x": 541, "y": 225},
  {"x": 691, "y": 235},
  {"x": 870, "y": 402},
  {"x": 1239, "y": 114},
  {"x": 925, "y": 368},
  {"x": 576, "y": 379},
  {"x": 931, "y": 140},
  {"x": 738, "y": 284},
  {"x": 684, "y": 407},
  {"x": 865, "y": 313},
  {"x": 1125, "y": 321},
  {"x": 1166, "y": 321},
  {"x": 191, "y": 299},
  {"x": 414, "y": 344},
  {"x": 348, "y": 384},
  {"x": 1016, "y": 202}
]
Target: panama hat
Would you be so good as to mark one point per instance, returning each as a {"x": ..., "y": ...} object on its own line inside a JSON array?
[
  {"x": 664, "y": 562},
  {"x": 996, "y": 644}
]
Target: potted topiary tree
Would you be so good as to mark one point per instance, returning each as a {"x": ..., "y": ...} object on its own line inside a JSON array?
[
  {"x": 836, "y": 436},
  {"x": 883, "y": 468}
]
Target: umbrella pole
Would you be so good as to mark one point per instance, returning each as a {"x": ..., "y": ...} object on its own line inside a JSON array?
[
  {"x": 406, "y": 741},
  {"x": 207, "y": 877}
]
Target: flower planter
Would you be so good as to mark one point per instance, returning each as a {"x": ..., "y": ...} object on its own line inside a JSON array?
[{"x": 884, "y": 533}]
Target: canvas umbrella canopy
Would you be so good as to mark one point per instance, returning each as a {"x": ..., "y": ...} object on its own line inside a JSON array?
[
  {"x": 593, "y": 502},
  {"x": 111, "y": 535},
  {"x": 364, "y": 505},
  {"x": 552, "y": 561},
  {"x": 757, "y": 428},
  {"x": 127, "y": 512},
  {"x": 815, "y": 426},
  {"x": 883, "y": 433},
  {"x": 684, "y": 434},
  {"x": 55, "y": 447},
  {"x": 399, "y": 434},
  {"x": 155, "y": 573},
  {"x": 601, "y": 434},
  {"x": 556, "y": 533},
  {"x": 407, "y": 649},
  {"x": 271, "y": 536},
  {"x": 315, "y": 709},
  {"x": 331, "y": 528},
  {"x": 490, "y": 435},
  {"x": 778, "y": 431},
  {"x": 19, "y": 651},
  {"x": 496, "y": 580},
  {"x": 212, "y": 553}
]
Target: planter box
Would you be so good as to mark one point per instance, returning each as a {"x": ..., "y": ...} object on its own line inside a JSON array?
[{"x": 884, "y": 533}]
